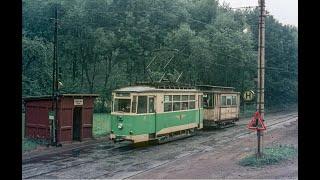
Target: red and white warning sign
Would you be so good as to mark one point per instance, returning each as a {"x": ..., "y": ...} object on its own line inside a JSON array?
[{"x": 256, "y": 122}]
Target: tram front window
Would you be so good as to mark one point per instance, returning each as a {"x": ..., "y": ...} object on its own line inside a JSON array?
[
  {"x": 122, "y": 105},
  {"x": 142, "y": 104}
]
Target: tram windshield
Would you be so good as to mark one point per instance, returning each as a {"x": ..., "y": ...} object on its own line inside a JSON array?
[{"x": 122, "y": 105}]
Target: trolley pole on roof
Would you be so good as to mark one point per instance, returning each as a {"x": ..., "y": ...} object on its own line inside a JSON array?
[{"x": 261, "y": 68}]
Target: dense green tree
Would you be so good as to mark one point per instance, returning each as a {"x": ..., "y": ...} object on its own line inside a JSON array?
[{"x": 106, "y": 44}]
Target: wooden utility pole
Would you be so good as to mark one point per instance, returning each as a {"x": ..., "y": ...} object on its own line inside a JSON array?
[
  {"x": 55, "y": 80},
  {"x": 261, "y": 68}
]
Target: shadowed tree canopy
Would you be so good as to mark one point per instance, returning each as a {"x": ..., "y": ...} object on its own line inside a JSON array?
[{"x": 106, "y": 44}]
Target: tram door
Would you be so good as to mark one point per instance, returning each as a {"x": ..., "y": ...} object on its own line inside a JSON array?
[
  {"x": 77, "y": 112},
  {"x": 200, "y": 105},
  {"x": 151, "y": 103}
]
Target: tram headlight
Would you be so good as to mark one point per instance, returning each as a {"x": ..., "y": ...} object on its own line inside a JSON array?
[{"x": 120, "y": 125}]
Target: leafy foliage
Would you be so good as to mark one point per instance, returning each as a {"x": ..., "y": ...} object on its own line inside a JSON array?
[{"x": 106, "y": 44}]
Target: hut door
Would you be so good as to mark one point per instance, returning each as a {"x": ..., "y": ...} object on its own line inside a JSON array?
[{"x": 77, "y": 111}]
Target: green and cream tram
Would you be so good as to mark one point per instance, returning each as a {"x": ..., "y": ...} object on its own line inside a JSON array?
[{"x": 155, "y": 112}]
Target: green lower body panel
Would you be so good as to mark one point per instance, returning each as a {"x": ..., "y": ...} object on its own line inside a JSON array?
[{"x": 138, "y": 128}]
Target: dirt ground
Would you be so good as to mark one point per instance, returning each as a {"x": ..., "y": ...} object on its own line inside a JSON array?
[
  {"x": 209, "y": 154},
  {"x": 223, "y": 163}
]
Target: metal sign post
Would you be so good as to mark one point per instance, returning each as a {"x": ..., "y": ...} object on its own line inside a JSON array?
[
  {"x": 51, "y": 123},
  {"x": 248, "y": 97}
]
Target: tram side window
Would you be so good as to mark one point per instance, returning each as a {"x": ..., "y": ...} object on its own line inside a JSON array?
[
  {"x": 112, "y": 109},
  {"x": 122, "y": 105},
  {"x": 142, "y": 104},
  {"x": 134, "y": 104},
  {"x": 184, "y": 103},
  {"x": 167, "y": 103},
  {"x": 176, "y": 102},
  {"x": 151, "y": 105},
  {"x": 228, "y": 100},
  {"x": 223, "y": 101},
  {"x": 192, "y": 102},
  {"x": 234, "y": 102},
  {"x": 205, "y": 101},
  {"x": 208, "y": 100},
  {"x": 211, "y": 100}
]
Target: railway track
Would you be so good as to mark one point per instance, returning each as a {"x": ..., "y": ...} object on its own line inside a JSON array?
[
  {"x": 231, "y": 138},
  {"x": 51, "y": 154},
  {"x": 203, "y": 141},
  {"x": 289, "y": 117},
  {"x": 266, "y": 119},
  {"x": 73, "y": 162}
]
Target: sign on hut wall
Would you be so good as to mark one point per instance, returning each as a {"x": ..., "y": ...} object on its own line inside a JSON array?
[{"x": 78, "y": 102}]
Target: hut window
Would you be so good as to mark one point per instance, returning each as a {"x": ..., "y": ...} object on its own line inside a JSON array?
[
  {"x": 134, "y": 104},
  {"x": 234, "y": 102},
  {"x": 142, "y": 104},
  {"x": 122, "y": 105},
  {"x": 151, "y": 105}
]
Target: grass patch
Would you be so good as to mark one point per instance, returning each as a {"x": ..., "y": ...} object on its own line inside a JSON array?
[
  {"x": 101, "y": 124},
  {"x": 271, "y": 155},
  {"x": 31, "y": 144}
]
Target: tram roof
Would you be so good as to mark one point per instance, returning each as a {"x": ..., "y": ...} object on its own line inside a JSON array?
[
  {"x": 141, "y": 88},
  {"x": 215, "y": 88},
  {"x": 49, "y": 97}
]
